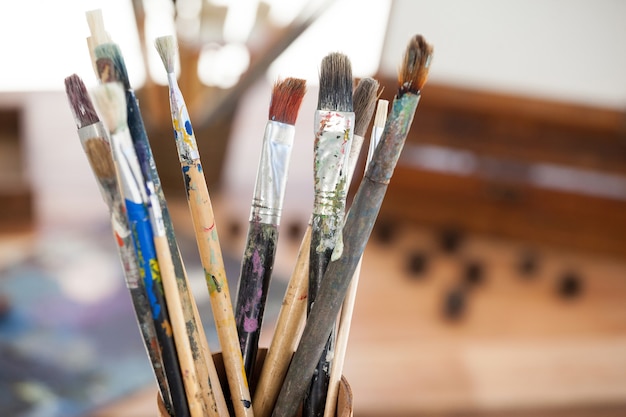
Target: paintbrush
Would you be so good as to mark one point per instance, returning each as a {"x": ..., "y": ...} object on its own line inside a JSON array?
[
  {"x": 366, "y": 99},
  {"x": 260, "y": 249},
  {"x": 95, "y": 142},
  {"x": 334, "y": 129},
  {"x": 357, "y": 229},
  {"x": 292, "y": 313},
  {"x": 111, "y": 102},
  {"x": 201, "y": 397},
  {"x": 293, "y": 308},
  {"x": 111, "y": 67},
  {"x": 206, "y": 236},
  {"x": 289, "y": 324}
]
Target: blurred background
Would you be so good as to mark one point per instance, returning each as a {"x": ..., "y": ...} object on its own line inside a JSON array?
[{"x": 495, "y": 280}]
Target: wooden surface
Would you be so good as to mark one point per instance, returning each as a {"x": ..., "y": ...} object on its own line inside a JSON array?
[{"x": 520, "y": 349}]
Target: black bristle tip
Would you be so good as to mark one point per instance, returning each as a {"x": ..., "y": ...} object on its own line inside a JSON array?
[
  {"x": 415, "y": 66},
  {"x": 335, "y": 92}
]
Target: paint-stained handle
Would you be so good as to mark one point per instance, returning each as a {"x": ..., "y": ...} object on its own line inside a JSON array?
[
  {"x": 291, "y": 319},
  {"x": 215, "y": 275},
  {"x": 256, "y": 272},
  {"x": 146, "y": 254},
  {"x": 199, "y": 398}
]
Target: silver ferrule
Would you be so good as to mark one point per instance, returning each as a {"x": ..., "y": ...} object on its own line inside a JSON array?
[
  {"x": 271, "y": 177},
  {"x": 97, "y": 131},
  {"x": 93, "y": 131},
  {"x": 129, "y": 172},
  {"x": 156, "y": 215},
  {"x": 333, "y": 138},
  {"x": 183, "y": 131}
]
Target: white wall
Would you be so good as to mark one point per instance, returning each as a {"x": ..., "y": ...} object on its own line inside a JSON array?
[{"x": 571, "y": 50}]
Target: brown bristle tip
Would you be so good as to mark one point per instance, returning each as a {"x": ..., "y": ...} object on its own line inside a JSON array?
[
  {"x": 415, "y": 65},
  {"x": 106, "y": 70},
  {"x": 364, "y": 98},
  {"x": 99, "y": 154},
  {"x": 82, "y": 108},
  {"x": 286, "y": 99}
]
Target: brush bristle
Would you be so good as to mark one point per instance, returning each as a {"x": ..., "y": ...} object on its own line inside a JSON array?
[
  {"x": 110, "y": 99},
  {"x": 166, "y": 46},
  {"x": 100, "y": 158},
  {"x": 106, "y": 70},
  {"x": 381, "y": 113},
  {"x": 96, "y": 27},
  {"x": 335, "y": 83},
  {"x": 112, "y": 51},
  {"x": 80, "y": 103},
  {"x": 365, "y": 95},
  {"x": 415, "y": 66},
  {"x": 286, "y": 99}
]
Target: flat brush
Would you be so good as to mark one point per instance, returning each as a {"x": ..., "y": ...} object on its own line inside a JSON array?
[
  {"x": 334, "y": 124},
  {"x": 260, "y": 249},
  {"x": 206, "y": 235},
  {"x": 364, "y": 100},
  {"x": 95, "y": 142},
  {"x": 111, "y": 101},
  {"x": 357, "y": 229}
]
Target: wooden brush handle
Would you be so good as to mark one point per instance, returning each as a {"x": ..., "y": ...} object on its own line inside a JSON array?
[
  {"x": 286, "y": 334},
  {"x": 215, "y": 275},
  {"x": 341, "y": 344},
  {"x": 199, "y": 405}
]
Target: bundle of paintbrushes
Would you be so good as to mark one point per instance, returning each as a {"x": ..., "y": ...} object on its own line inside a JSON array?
[{"x": 303, "y": 365}]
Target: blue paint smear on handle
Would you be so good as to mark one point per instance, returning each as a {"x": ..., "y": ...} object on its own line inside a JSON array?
[{"x": 143, "y": 239}]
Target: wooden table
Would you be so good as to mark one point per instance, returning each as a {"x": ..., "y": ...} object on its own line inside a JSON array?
[{"x": 520, "y": 349}]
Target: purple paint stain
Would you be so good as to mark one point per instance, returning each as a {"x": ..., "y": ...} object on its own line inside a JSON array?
[
  {"x": 250, "y": 324},
  {"x": 257, "y": 265}
]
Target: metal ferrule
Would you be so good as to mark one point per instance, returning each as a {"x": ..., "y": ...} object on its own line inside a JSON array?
[
  {"x": 271, "y": 178},
  {"x": 96, "y": 131},
  {"x": 333, "y": 138},
  {"x": 131, "y": 180},
  {"x": 183, "y": 131},
  {"x": 156, "y": 215}
]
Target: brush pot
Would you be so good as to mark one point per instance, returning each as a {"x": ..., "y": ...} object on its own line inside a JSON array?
[{"x": 344, "y": 398}]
